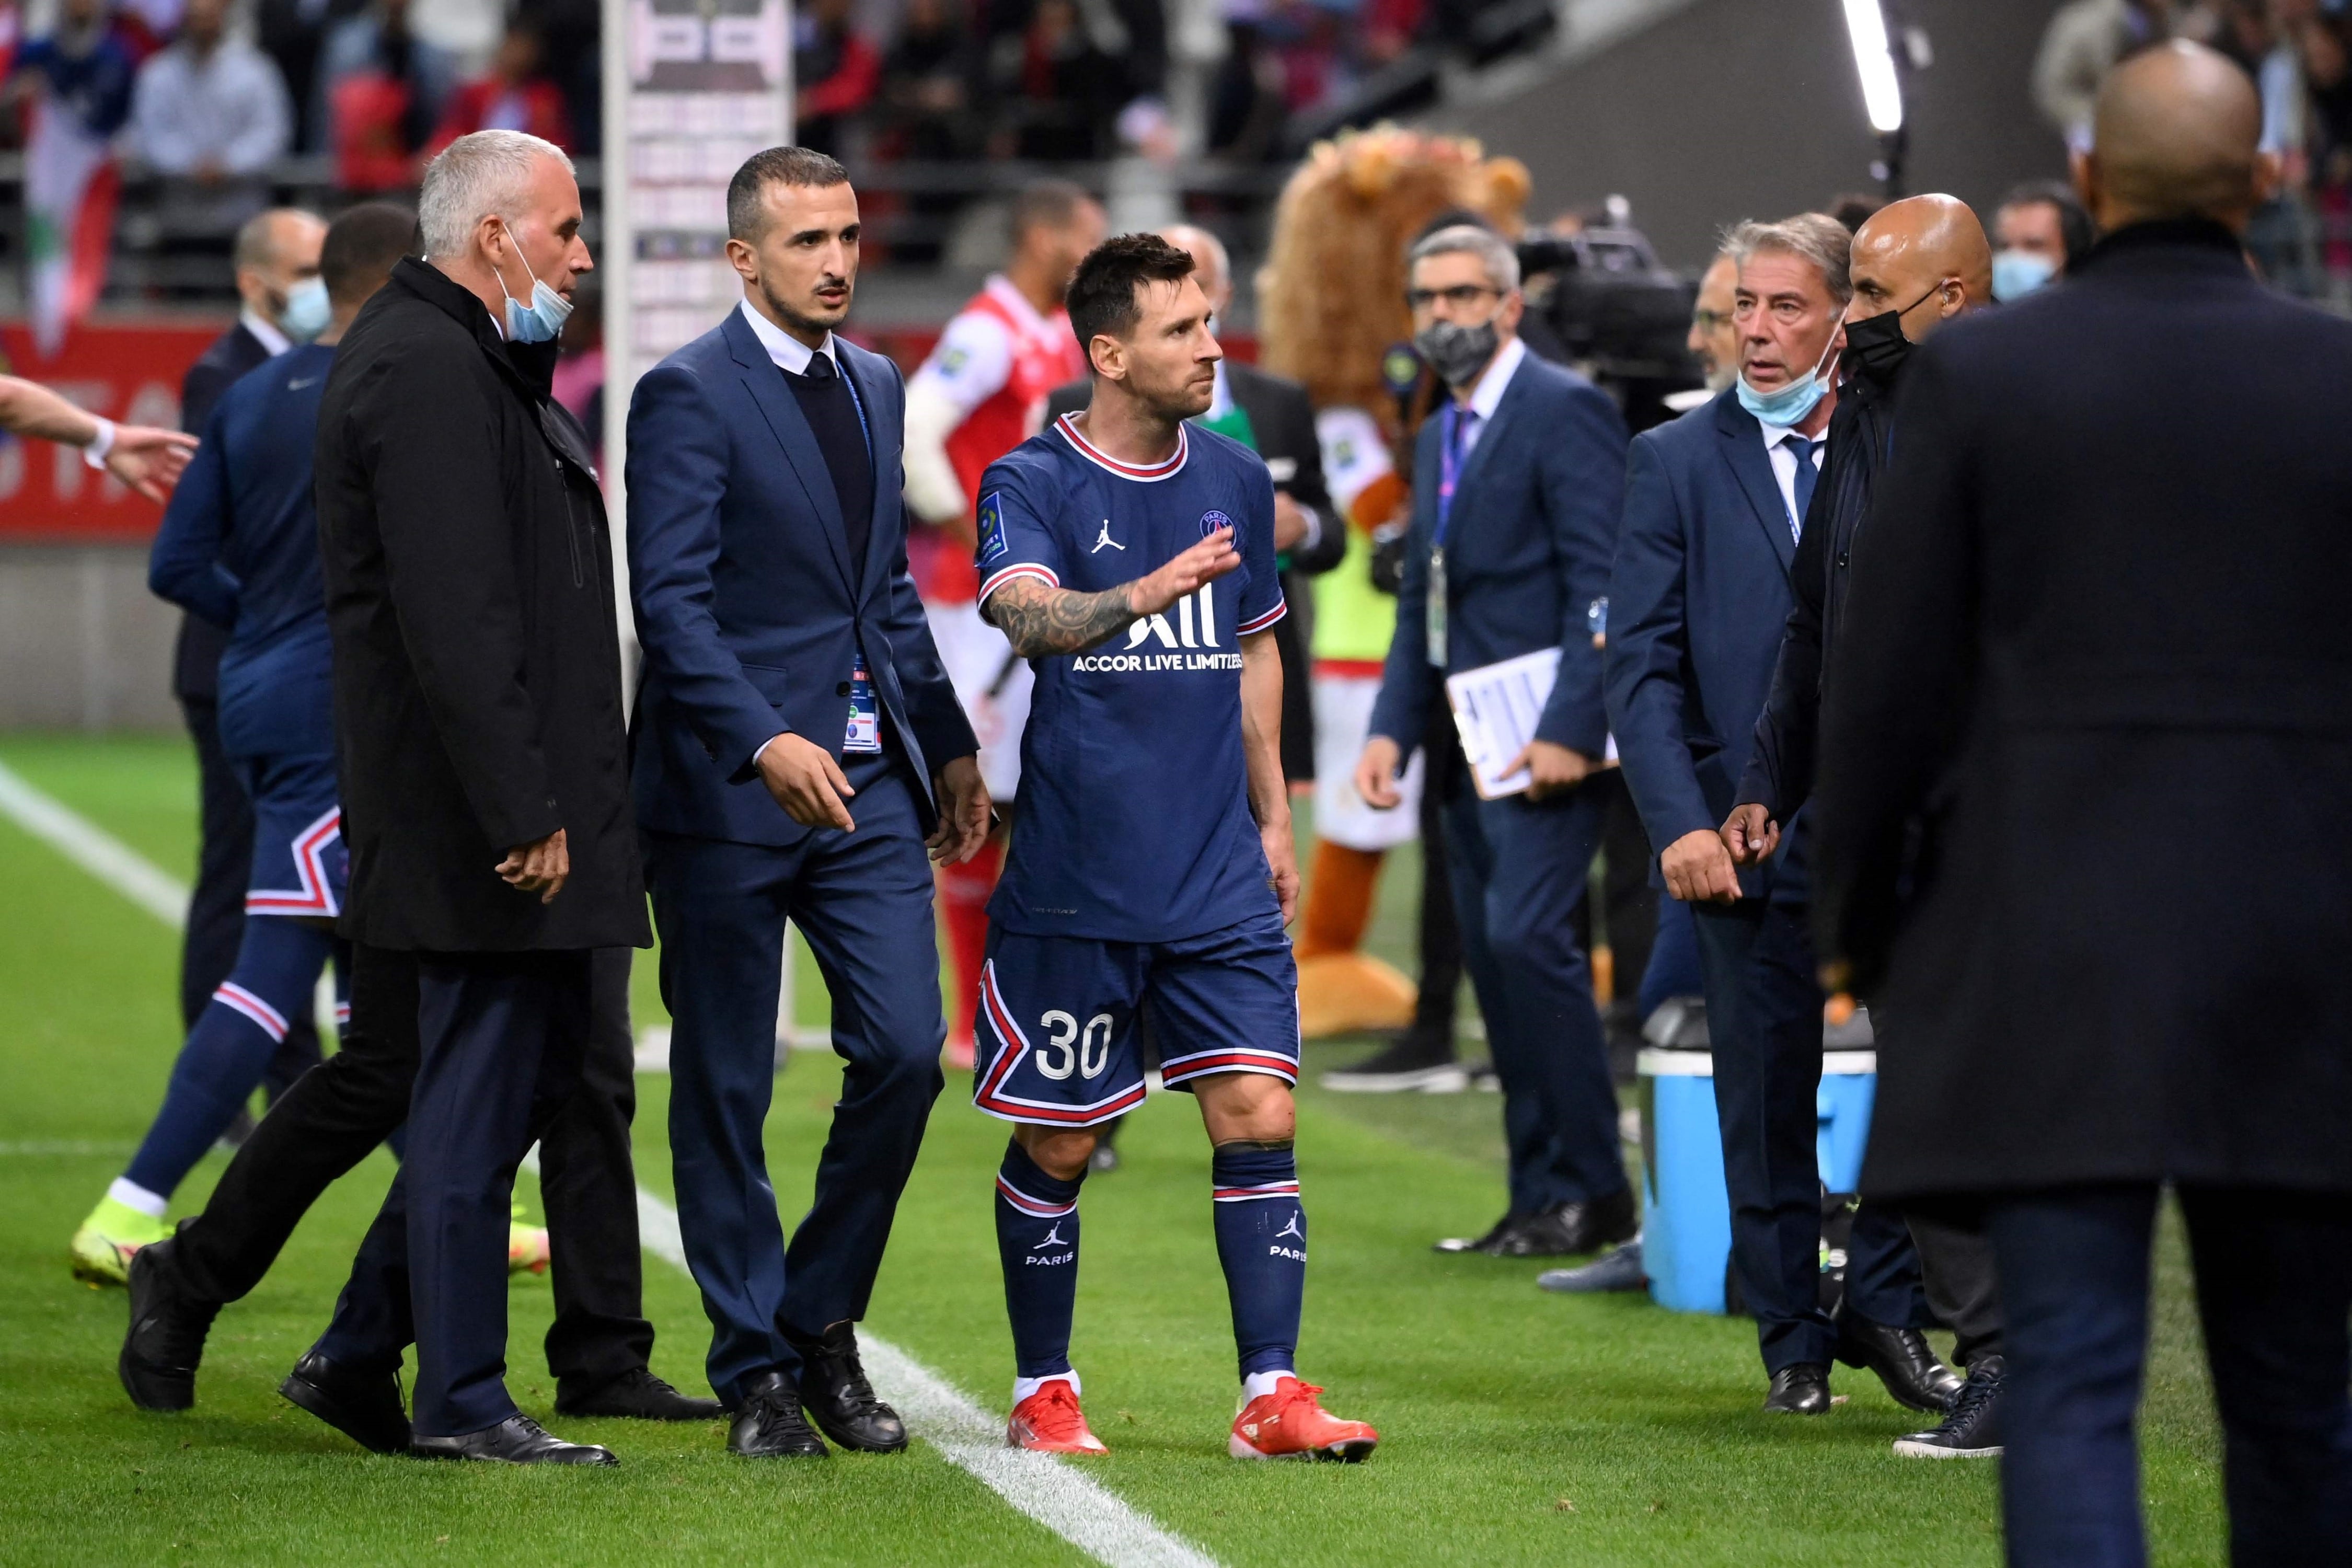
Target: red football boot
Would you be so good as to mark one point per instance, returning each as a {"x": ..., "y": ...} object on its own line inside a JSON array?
[
  {"x": 1290, "y": 1424},
  {"x": 1050, "y": 1421}
]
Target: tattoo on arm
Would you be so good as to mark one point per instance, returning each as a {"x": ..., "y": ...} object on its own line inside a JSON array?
[{"x": 1041, "y": 622}]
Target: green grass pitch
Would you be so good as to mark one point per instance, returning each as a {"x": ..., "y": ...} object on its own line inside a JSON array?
[{"x": 1518, "y": 1428}]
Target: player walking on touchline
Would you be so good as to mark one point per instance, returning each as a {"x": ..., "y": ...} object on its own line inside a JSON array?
[{"x": 1151, "y": 870}]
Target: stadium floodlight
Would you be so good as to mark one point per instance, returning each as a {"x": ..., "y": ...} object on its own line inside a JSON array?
[{"x": 1874, "y": 60}]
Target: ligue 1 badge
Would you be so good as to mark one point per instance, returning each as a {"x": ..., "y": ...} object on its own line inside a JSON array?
[
  {"x": 991, "y": 527},
  {"x": 1213, "y": 521}
]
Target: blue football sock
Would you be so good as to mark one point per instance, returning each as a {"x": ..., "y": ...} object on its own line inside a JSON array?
[
  {"x": 1262, "y": 1242},
  {"x": 225, "y": 1054},
  {"x": 1037, "y": 1238}
]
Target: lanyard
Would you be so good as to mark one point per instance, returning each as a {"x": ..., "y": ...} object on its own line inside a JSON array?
[{"x": 1449, "y": 466}]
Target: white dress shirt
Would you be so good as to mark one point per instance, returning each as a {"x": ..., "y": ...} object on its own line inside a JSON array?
[
  {"x": 787, "y": 351},
  {"x": 1487, "y": 395},
  {"x": 1780, "y": 442},
  {"x": 266, "y": 331}
]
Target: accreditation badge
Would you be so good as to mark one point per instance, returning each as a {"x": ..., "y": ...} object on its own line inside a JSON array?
[{"x": 1434, "y": 622}]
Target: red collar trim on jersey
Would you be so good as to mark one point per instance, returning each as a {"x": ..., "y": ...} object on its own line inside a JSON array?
[{"x": 1067, "y": 425}]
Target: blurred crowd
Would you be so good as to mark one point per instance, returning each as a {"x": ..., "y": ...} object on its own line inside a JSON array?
[{"x": 2299, "y": 56}]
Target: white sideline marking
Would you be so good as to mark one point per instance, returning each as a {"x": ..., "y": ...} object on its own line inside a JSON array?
[
  {"x": 94, "y": 849},
  {"x": 1073, "y": 1506}
]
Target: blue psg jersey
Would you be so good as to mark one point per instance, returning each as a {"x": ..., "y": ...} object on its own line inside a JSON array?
[{"x": 1135, "y": 823}]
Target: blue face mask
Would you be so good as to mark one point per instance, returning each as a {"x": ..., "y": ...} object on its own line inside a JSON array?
[
  {"x": 1792, "y": 404},
  {"x": 541, "y": 320},
  {"x": 2017, "y": 273},
  {"x": 307, "y": 310}
]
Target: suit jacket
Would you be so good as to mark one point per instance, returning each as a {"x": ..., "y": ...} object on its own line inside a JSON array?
[
  {"x": 477, "y": 661},
  {"x": 196, "y": 655},
  {"x": 1779, "y": 771},
  {"x": 2094, "y": 702},
  {"x": 1697, "y": 602},
  {"x": 1282, "y": 422},
  {"x": 1533, "y": 526},
  {"x": 747, "y": 607}
]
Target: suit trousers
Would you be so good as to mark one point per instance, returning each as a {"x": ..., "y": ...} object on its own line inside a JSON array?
[
  {"x": 863, "y": 901},
  {"x": 1764, "y": 1025},
  {"x": 2273, "y": 1287},
  {"x": 1519, "y": 869},
  {"x": 502, "y": 1038},
  {"x": 339, "y": 1110},
  {"x": 216, "y": 928}
]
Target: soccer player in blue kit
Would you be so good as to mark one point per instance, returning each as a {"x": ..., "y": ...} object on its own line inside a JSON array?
[
  {"x": 1151, "y": 871},
  {"x": 239, "y": 546}
]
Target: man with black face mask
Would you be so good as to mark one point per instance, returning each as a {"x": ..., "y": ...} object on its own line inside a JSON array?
[
  {"x": 1519, "y": 482},
  {"x": 1916, "y": 263}
]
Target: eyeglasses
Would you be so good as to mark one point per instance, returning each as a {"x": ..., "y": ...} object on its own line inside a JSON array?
[
  {"x": 1461, "y": 296},
  {"x": 1711, "y": 320}
]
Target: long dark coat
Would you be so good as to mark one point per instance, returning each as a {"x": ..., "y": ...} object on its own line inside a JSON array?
[
  {"x": 2095, "y": 691},
  {"x": 477, "y": 673}
]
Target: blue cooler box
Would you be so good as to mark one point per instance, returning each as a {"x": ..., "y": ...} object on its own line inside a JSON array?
[{"x": 1687, "y": 1225}]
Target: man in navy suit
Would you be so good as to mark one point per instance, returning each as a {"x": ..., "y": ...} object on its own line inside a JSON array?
[
  {"x": 1517, "y": 483},
  {"x": 1697, "y": 602},
  {"x": 798, "y": 747}
]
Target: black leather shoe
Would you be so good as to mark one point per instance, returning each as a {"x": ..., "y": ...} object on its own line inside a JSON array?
[
  {"x": 1603, "y": 1222},
  {"x": 834, "y": 1392},
  {"x": 517, "y": 1440},
  {"x": 1799, "y": 1390},
  {"x": 767, "y": 1423},
  {"x": 1903, "y": 1360},
  {"x": 364, "y": 1406},
  {"x": 1972, "y": 1429},
  {"x": 1491, "y": 1244},
  {"x": 635, "y": 1395},
  {"x": 158, "y": 1364}
]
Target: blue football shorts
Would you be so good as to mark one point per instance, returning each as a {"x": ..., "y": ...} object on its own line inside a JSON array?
[
  {"x": 1058, "y": 1037},
  {"x": 299, "y": 866}
]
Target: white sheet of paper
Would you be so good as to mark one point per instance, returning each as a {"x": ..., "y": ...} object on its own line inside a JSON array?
[{"x": 1496, "y": 710}]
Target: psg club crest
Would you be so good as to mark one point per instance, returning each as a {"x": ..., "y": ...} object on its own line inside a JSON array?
[
  {"x": 991, "y": 527},
  {"x": 1213, "y": 521}
]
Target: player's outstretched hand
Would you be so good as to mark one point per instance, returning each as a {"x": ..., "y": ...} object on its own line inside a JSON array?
[
  {"x": 1203, "y": 563},
  {"x": 149, "y": 460},
  {"x": 963, "y": 812},
  {"x": 807, "y": 782}
]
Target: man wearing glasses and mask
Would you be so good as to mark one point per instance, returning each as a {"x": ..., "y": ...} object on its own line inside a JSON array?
[{"x": 1516, "y": 484}]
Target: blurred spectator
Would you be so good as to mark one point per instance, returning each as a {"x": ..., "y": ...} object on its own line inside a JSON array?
[
  {"x": 1064, "y": 87},
  {"x": 75, "y": 83},
  {"x": 579, "y": 381},
  {"x": 517, "y": 95},
  {"x": 569, "y": 33},
  {"x": 210, "y": 107},
  {"x": 382, "y": 89},
  {"x": 81, "y": 69},
  {"x": 1854, "y": 208},
  {"x": 2082, "y": 44},
  {"x": 1247, "y": 108},
  {"x": 927, "y": 85},
  {"x": 837, "y": 70},
  {"x": 2040, "y": 230},
  {"x": 291, "y": 32}
]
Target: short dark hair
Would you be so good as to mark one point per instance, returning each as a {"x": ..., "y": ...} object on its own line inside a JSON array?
[
  {"x": 747, "y": 214},
  {"x": 1102, "y": 291},
  {"x": 2076, "y": 229},
  {"x": 1046, "y": 204},
  {"x": 362, "y": 246}
]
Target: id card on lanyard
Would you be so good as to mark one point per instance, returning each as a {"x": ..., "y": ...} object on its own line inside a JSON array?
[
  {"x": 865, "y": 713},
  {"x": 1449, "y": 479}
]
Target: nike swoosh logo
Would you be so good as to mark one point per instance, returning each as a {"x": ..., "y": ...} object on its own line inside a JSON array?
[{"x": 299, "y": 385}]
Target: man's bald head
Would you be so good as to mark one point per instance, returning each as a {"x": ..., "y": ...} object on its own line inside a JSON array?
[
  {"x": 2177, "y": 134},
  {"x": 1210, "y": 268},
  {"x": 1926, "y": 257}
]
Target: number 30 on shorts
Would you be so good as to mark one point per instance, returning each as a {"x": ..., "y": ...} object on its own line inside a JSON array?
[{"x": 1070, "y": 1049}]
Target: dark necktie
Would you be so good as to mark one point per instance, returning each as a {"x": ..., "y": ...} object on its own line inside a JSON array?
[
  {"x": 830, "y": 406},
  {"x": 1808, "y": 475}
]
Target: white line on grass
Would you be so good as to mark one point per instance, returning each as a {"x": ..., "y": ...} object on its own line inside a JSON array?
[{"x": 1073, "y": 1506}]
